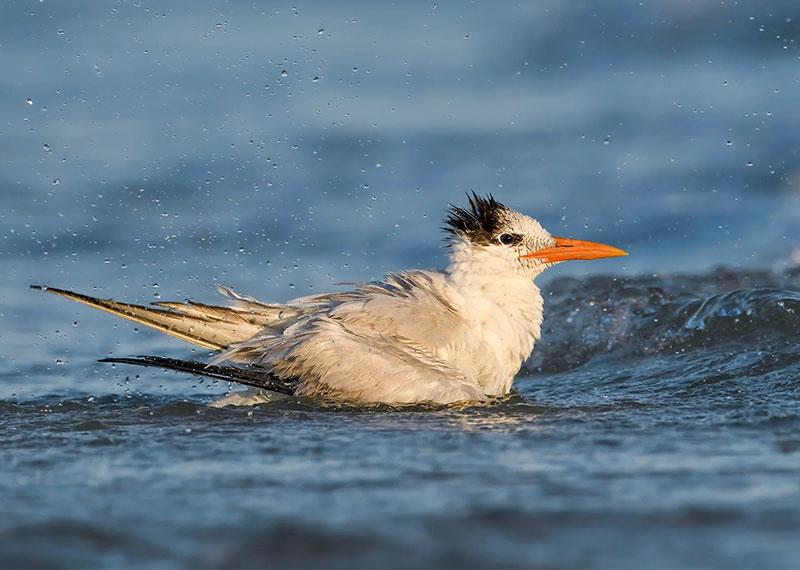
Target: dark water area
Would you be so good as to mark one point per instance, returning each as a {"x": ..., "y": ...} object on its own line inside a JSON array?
[{"x": 149, "y": 151}]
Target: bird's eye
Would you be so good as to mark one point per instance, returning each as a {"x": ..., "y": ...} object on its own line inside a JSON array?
[{"x": 507, "y": 239}]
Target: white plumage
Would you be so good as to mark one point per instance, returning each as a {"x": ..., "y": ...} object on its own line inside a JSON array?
[{"x": 418, "y": 336}]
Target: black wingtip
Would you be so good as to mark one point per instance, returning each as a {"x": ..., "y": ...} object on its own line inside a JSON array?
[
  {"x": 251, "y": 376},
  {"x": 39, "y": 287}
]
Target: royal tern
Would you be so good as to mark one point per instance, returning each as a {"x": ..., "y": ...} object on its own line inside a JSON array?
[{"x": 417, "y": 336}]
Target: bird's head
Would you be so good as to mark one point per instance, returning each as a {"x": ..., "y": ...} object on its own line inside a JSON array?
[{"x": 488, "y": 237}]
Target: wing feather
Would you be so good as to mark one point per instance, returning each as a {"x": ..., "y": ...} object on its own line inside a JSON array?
[{"x": 213, "y": 327}]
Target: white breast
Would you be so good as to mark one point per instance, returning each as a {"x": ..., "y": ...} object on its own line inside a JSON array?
[{"x": 504, "y": 323}]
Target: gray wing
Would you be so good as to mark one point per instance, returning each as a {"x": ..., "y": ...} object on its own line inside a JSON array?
[
  {"x": 380, "y": 342},
  {"x": 208, "y": 326}
]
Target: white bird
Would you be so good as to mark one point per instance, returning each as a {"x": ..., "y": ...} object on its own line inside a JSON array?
[{"x": 417, "y": 336}]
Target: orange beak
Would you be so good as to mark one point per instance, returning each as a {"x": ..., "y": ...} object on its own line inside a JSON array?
[{"x": 566, "y": 249}]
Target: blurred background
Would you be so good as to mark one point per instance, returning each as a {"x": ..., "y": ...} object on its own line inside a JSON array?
[{"x": 279, "y": 148}]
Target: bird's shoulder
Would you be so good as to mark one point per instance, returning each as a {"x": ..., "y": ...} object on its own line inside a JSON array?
[
  {"x": 428, "y": 288},
  {"x": 405, "y": 304}
]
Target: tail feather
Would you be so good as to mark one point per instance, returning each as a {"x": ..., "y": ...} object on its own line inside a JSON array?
[
  {"x": 254, "y": 376},
  {"x": 208, "y": 326},
  {"x": 213, "y": 312}
]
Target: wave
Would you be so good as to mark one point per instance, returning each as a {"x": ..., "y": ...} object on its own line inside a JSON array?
[{"x": 613, "y": 317}]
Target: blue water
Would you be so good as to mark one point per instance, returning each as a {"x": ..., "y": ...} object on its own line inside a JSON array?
[{"x": 148, "y": 151}]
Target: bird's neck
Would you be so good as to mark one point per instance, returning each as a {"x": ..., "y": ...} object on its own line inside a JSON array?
[
  {"x": 505, "y": 310},
  {"x": 482, "y": 271}
]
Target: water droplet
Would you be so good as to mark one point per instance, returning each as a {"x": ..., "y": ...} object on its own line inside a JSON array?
[
  {"x": 320, "y": 31},
  {"x": 46, "y": 147},
  {"x": 59, "y": 362},
  {"x": 729, "y": 143},
  {"x": 315, "y": 79},
  {"x": 280, "y": 315},
  {"x": 284, "y": 73},
  {"x": 155, "y": 285},
  {"x": 56, "y": 181},
  {"x": 29, "y": 101},
  {"x": 749, "y": 163}
]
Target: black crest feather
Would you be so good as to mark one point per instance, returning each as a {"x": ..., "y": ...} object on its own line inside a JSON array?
[{"x": 478, "y": 223}]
